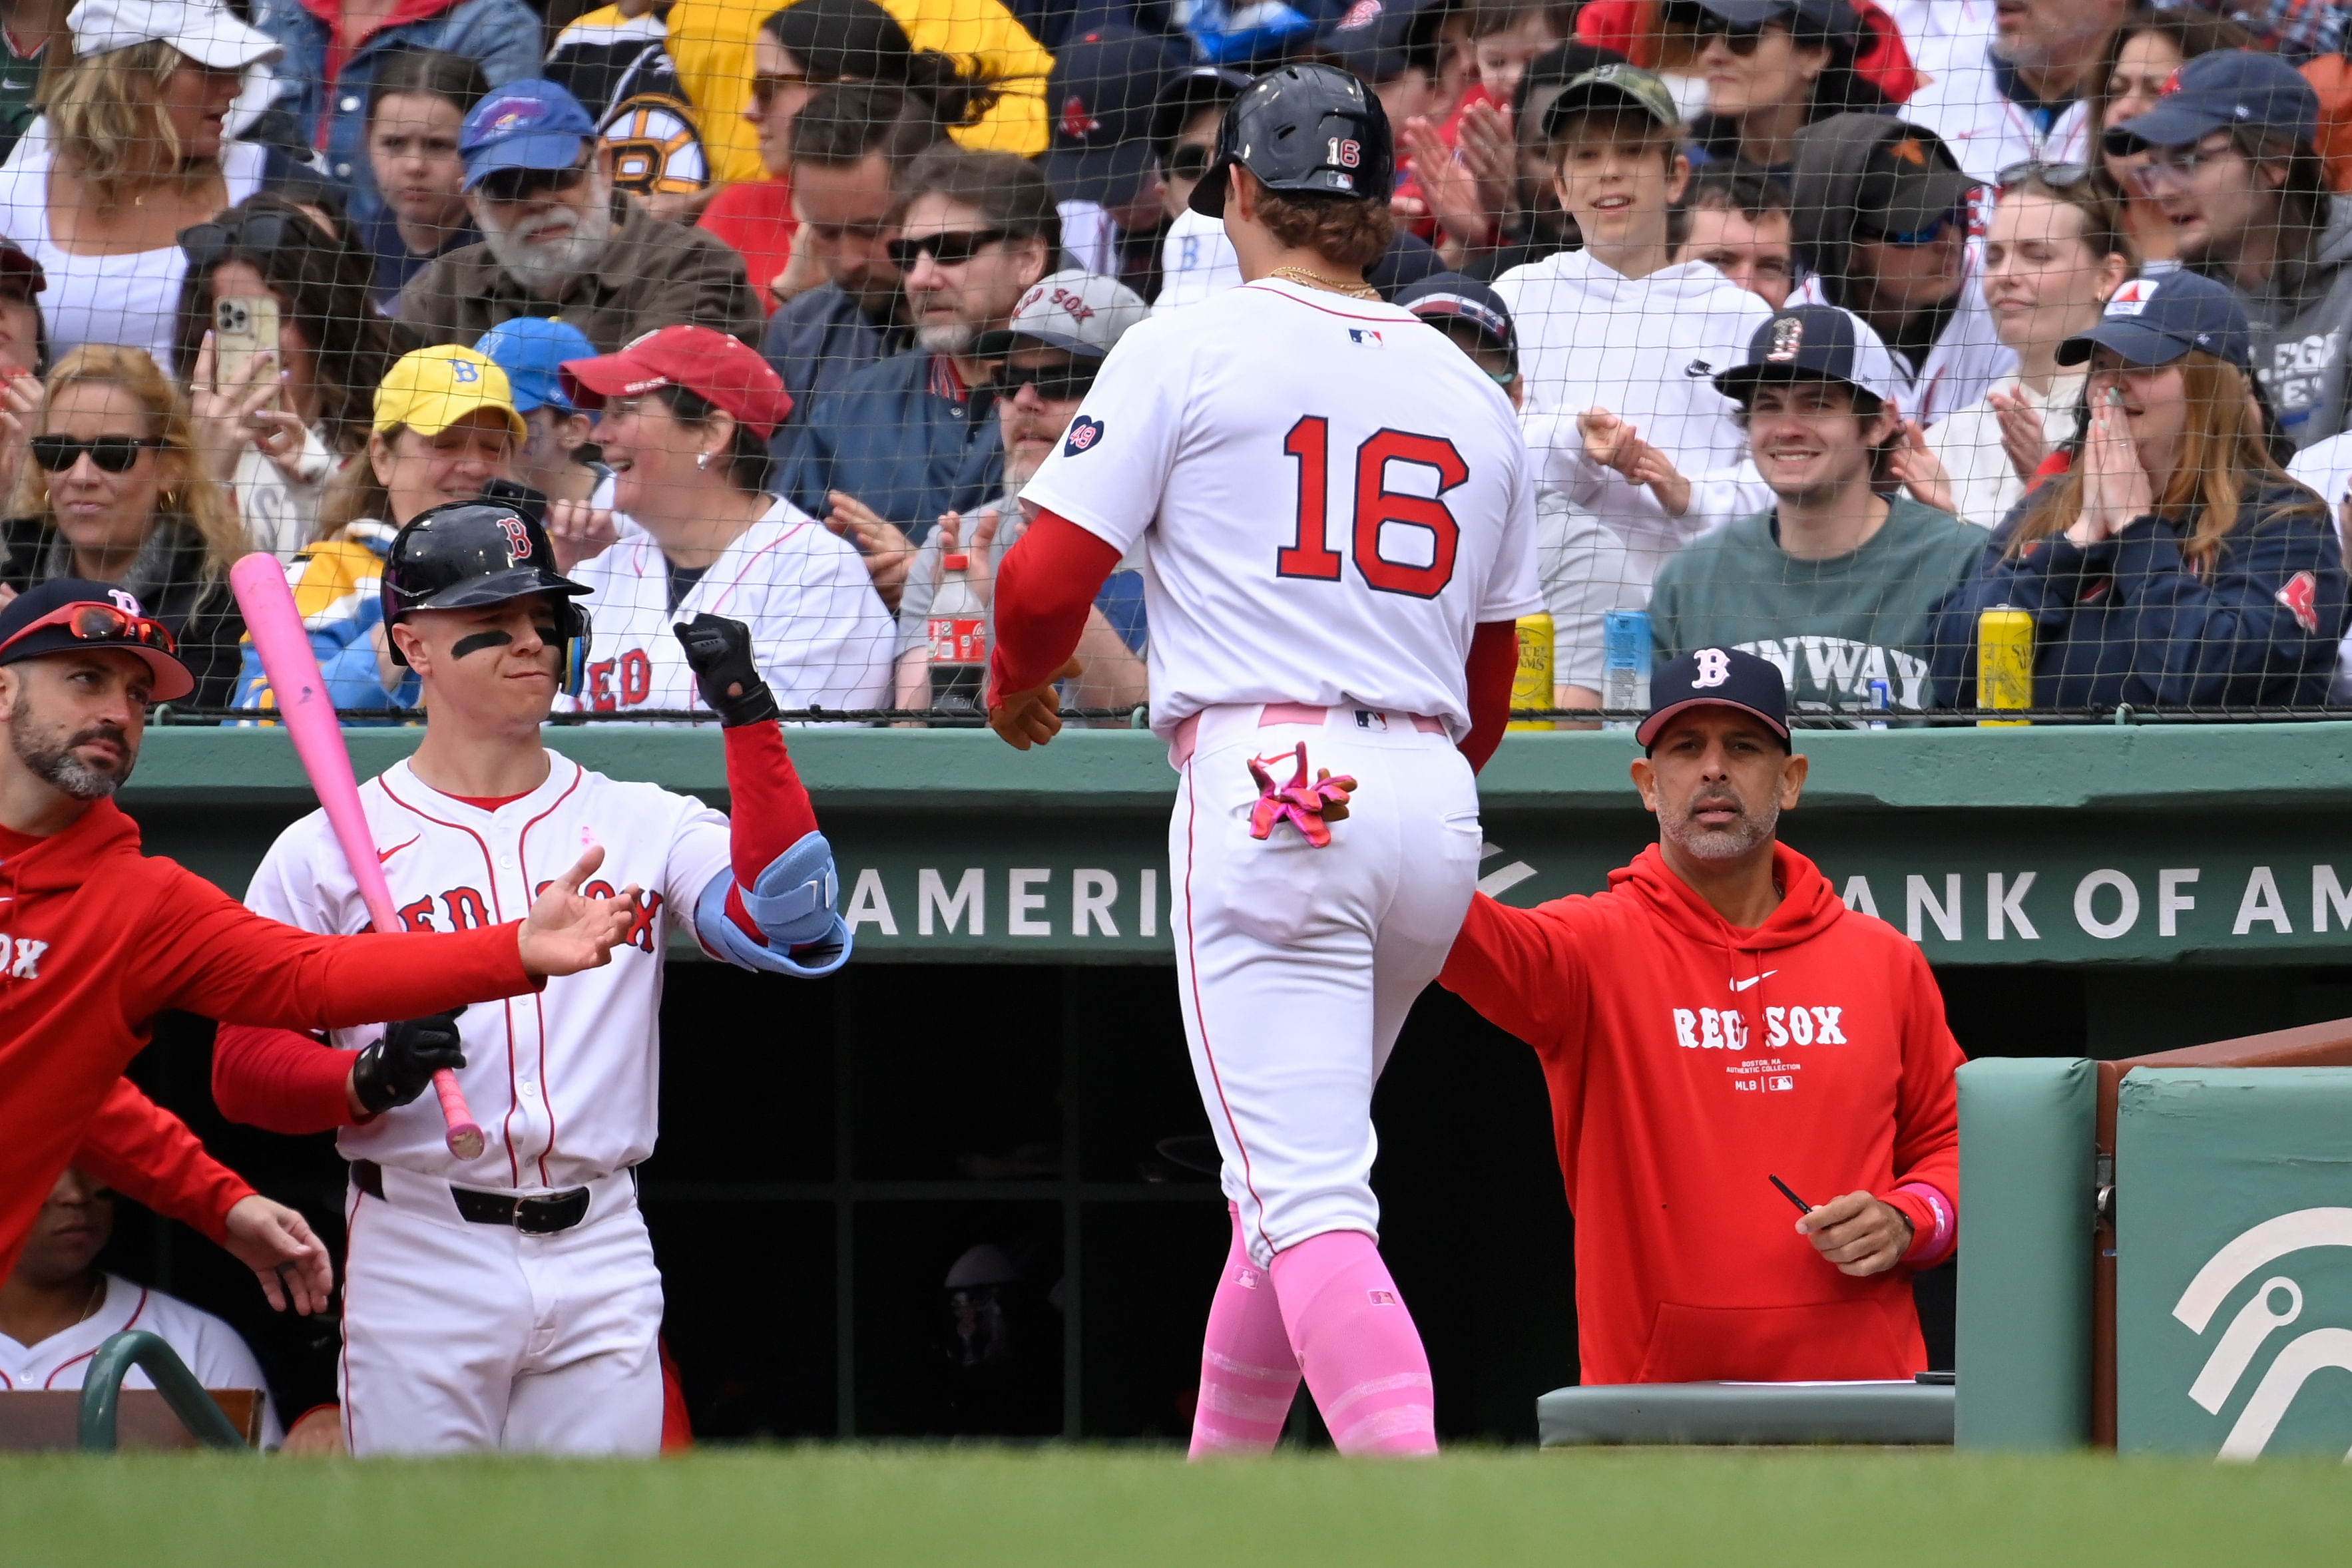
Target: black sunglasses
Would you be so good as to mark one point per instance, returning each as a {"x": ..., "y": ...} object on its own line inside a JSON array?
[
  {"x": 1063, "y": 384},
  {"x": 255, "y": 234},
  {"x": 767, "y": 84},
  {"x": 1189, "y": 162},
  {"x": 1740, "y": 38},
  {"x": 509, "y": 185},
  {"x": 112, "y": 453},
  {"x": 950, "y": 250}
]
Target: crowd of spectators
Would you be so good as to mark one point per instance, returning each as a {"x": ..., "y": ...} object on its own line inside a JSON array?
[{"x": 280, "y": 276}]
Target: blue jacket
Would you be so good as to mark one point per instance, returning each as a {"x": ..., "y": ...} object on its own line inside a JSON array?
[
  {"x": 886, "y": 437},
  {"x": 500, "y": 35},
  {"x": 2127, "y": 620},
  {"x": 816, "y": 342}
]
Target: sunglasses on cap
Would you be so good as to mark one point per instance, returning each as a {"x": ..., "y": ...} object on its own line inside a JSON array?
[
  {"x": 950, "y": 250},
  {"x": 1189, "y": 161},
  {"x": 255, "y": 233},
  {"x": 112, "y": 454},
  {"x": 1062, "y": 383},
  {"x": 2058, "y": 176},
  {"x": 93, "y": 623},
  {"x": 510, "y": 185}
]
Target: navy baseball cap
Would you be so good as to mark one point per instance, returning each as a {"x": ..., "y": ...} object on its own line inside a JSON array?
[
  {"x": 152, "y": 644},
  {"x": 1444, "y": 296},
  {"x": 531, "y": 350},
  {"x": 1099, "y": 99},
  {"x": 1716, "y": 678},
  {"x": 2218, "y": 91},
  {"x": 527, "y": 124},
  {"x": 1910, "y": 183},
  {"x": 1832, "y": 17},
  {"x": 2155, "y": 320},
  {"x": 1187, "y": 93},
  {"x": 1373, "y": 39},
  {"x": 1816, "y": 341}
]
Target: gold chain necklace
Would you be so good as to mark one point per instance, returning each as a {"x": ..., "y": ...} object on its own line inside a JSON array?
[{"x": 1354, "y": 290}]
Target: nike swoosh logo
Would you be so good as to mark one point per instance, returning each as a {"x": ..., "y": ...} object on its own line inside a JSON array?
[
  {"x": 384, "y": 855},
  {"x": 1736, "y": 985}
]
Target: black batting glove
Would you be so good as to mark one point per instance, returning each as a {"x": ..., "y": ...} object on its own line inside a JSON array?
[
  {"x": 397, "y": 1067},
  {"x": 718, "y": 651}
]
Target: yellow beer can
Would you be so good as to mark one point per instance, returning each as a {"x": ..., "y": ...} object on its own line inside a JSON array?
[
  {"x": 2004, "y": 663},
  {"x": 1532, "y": 686}
]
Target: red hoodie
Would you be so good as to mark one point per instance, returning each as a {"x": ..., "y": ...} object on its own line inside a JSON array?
[
  {"x": 101, "y": 938},
  {"x": 1689, "y": 1061}
]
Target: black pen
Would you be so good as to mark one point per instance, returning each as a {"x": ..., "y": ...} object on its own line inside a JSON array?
[{"x": 1803, "y": 1207}]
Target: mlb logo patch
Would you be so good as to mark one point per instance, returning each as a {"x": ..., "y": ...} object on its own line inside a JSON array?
[
  {"x": 1366, "y": 337},
  {"x": 1083, "y": 433},
  {"x": 2132, "y": 298}
]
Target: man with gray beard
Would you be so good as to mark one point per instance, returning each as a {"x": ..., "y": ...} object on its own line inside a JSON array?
[
  {"x": 558, "y": 240},
  {"x": 1715, "y": 1023}
]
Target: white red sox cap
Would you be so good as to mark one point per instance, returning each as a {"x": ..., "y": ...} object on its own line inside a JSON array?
[{"x": 1080, "y": 312}]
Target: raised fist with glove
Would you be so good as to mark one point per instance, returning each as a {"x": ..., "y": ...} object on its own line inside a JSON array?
[
  {"x": 718, "y": 651},
  {"x": 398, "y": 1068}
]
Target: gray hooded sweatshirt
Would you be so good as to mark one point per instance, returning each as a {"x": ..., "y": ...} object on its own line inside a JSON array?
[{"x": 2300, "y": 318}]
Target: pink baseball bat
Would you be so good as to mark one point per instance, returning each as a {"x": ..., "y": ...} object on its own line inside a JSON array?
[{"x": 309, "y": 715}]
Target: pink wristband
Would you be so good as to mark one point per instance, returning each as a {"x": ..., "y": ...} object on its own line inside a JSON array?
[{"x": 1930, "y": 1246}]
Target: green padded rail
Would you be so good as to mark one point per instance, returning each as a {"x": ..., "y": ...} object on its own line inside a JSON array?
[
  {"x": 2027, "y": 1168},
  {"x": 101, "y": 1393},
  {"x": 1747, "y": 1414}
]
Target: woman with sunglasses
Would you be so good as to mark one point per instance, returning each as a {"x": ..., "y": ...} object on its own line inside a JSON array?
[
  {"x": 686, "y": 414},
  {"x": 1069, "y": 324},
  {"x": 131, "y": 148},
  {"x": 2175, "y": 563},
  {"x": 810, "y": 45},
  {"x": 444, "y": 426},
  {"x": 273, "y": 433},
  {"x": 1769, "y": 77},
  {"x": 2052, "y": 257},
  {"x": 115, "y": 492}
]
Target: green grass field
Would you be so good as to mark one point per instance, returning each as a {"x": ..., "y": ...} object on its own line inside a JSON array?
[{"x": 976, "y": 1508}]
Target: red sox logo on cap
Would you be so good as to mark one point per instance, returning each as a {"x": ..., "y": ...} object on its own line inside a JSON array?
[
  {"x": 518, "y": 538},
  {"x": 1362, "y": 13},
  {"x": 1787, "y": 335},
  {"x": 1714, "y": 668},
  {"x": 1077, "y": 123}
]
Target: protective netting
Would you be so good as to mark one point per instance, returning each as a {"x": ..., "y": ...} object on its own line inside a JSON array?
[{"x": 1965, "y": 361}]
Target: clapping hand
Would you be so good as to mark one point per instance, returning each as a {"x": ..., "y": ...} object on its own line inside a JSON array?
[
  {"x": 1915, "y": 465},
  {"x": 982, "y": 573},
  {"x": 887, "y": 550},
  {"x": 2115, "y": 488},
  {"x": 577, "y": 531},
  {"x": 2022, "y": 439},
  {"x": 1615, "y": 444},
  {"x": 20, "y": 406}
]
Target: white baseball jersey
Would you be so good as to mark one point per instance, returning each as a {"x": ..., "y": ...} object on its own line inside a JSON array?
[
  {"x": 1329, "y": 494},
  {"x": 566, "y": 1080},
  {"x": 819, "y": 631},
  {"x": 1647, "y": 349},
  {"x": 212, "y": 1349},
  {"x": 1986, "y": 130}
]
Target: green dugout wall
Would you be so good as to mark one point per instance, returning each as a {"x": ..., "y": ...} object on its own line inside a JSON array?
[{"x": 1002, "y": 1063}]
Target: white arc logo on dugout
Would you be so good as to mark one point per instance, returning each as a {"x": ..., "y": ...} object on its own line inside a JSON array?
[{"x": 2297, "y": 1360}]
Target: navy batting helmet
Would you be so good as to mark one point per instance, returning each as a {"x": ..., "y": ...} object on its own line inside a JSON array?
[
  {"x": 1310, "y": 129},
  {"x": 465, "y": 553}
]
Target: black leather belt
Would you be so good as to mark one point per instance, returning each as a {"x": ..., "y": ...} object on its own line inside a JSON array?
[{"x": 543, "y": 1214}]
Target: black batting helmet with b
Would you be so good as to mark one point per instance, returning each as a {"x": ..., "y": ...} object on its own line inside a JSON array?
[
  {"x": 465, "y": 553},
  {"x": 1307, "y": 128}
]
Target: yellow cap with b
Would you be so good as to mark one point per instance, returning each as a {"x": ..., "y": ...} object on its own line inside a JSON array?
[{"x": 429, "y": 390}]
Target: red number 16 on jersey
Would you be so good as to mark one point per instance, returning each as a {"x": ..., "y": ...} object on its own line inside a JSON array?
[{"x": 1310, "y": 554}]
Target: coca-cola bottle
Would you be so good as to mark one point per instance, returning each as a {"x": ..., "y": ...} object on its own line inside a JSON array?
[{"x": 958, "y": 630}]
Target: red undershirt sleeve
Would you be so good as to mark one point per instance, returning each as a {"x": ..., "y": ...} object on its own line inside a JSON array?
[
  {"x": 1494, "y": 663},
  {"x": 281, "y": 1081},
  {"x": 1045, "y": 587},
  {"x": 768, "y": 810},
  {"x": 145, "y": 1153}
]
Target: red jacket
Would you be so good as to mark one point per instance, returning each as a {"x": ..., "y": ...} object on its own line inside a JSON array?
[
  {"x": 101, "y": 938},
  {"x": 1690, "y": 1060}
]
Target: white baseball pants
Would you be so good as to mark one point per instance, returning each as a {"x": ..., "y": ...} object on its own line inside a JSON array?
[
  {"x": 1296, "y": 965},
  {"x": 459, "y": 1336}
]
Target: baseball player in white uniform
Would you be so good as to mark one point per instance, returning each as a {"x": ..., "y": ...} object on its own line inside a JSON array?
[
  {"x": 686, "y": 414},
  {"x": 1337, "y": 518},
  {"x": 511, "y": 1301}
]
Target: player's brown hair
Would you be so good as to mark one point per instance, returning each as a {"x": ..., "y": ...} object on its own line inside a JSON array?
[{"x": 1351, "y": 233}]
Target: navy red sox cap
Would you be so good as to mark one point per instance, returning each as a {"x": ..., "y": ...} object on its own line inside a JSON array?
[
  {"x": 1452, "y": 296},
  {"x": 2155, "y": 320},
  {"x": 1716, "y": 678},
  {"x": 2220, "y": 91}
]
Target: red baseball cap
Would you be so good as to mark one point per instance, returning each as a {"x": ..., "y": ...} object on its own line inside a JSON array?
[{"x": 719, "y": 367}]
